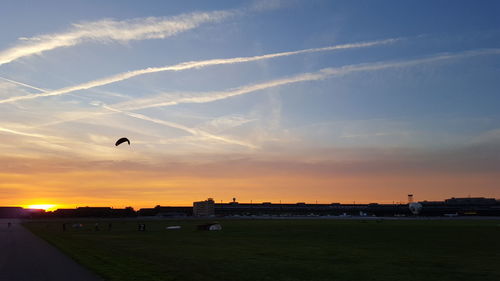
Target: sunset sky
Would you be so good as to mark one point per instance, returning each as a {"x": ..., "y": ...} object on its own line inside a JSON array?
[{"x": 327, "y": 101}]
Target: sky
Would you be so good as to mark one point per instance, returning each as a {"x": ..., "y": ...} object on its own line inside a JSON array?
[{"x": 292, "y": 101}]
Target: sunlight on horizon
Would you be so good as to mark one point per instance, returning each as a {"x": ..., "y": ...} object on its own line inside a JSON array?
[{"x": 46, "y": 207}]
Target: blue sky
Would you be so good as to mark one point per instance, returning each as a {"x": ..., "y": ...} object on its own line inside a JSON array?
[{"x": 402, "y": 82}]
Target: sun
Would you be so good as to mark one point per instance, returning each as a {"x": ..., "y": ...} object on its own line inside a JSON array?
[{"x": 46, "y": 207}]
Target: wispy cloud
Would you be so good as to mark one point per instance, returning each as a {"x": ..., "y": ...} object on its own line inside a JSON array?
[
  {"x": 193, "y": 131},
  {"x": 225, "y": 123},
  {"x": 205, "y": 97},
  {"x": 111, "y": 30},
  {"x": 379, "y": 134},
  {"x": 190, "y": 65},
  {"x": 15, "y": 132}
]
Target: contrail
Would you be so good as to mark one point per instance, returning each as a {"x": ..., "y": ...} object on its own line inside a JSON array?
[
  {"x": 111, "y": 30},
  {"x": 190, "y": 65},
  {"x": 195, "y": 132},
  {"x": 23, "y": 84},
  {"x": 23, "y": 133},
  {"x": 322, "y": 74},
  {"x": 205, "y": 97}
]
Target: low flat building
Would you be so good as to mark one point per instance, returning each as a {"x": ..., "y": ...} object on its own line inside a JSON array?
[
  {"x": 166, "y": 211},
  {"x": 20, "y": 212},
  {"x": 11, "y": 212},
  {"x": 94, "y": 212},
  {"x": 478, "y": 201}
]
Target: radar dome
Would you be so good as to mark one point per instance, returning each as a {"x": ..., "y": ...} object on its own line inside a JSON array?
[{"x": 415, "y": 208}]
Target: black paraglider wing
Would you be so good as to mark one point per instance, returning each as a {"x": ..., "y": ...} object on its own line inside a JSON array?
[{"x": 122, "y": 140}]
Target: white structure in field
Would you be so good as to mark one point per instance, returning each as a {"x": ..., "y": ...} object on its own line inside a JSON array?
[
  {"x": 215, "y": 227},
  {"x": 415, "y": 208}
]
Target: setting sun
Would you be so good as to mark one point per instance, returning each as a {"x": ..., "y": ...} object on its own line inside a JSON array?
[{"x": 46, "y": 207}]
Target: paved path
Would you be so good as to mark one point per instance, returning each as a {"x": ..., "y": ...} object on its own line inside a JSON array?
[{"x": 25, "y": 257}]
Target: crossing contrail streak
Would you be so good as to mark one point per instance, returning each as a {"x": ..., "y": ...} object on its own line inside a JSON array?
[
  {"x": 320, "y": 75},
  {"x": 205, "y": 97},
  {"x": 189, "y": 65},
  {"x": 23, "y": 84},
  {"x": 193, "y": 131}
]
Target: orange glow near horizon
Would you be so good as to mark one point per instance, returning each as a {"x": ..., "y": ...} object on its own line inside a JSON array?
[{"x": 148, "y": 189}]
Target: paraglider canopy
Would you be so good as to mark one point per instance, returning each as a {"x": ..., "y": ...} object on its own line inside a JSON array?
[{"x": 122, "y": 140}]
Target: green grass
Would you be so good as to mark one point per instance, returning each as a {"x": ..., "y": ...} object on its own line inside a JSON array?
[{"x": 285, "y": 250}]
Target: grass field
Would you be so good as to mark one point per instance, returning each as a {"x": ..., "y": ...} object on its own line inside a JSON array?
[{"x": 284, "y": 250}]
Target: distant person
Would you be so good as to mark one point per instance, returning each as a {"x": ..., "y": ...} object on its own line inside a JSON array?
[
  {"x": 96, "y": 226},
  {"x": 142, "y": 227},
  {"x": 109, "y": 226},
  {"x": 8, "y": 224},
  {"x": 64, "y": 227}
]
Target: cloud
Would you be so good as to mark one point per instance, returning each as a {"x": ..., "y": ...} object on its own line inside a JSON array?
[
  {"x": 225, "y": 123},
  {"x": 205, "y": 97},
  {"x": 199, "y": 133},
  {"x": 108, "y": 30},
  {"x": 350, "y": 174},
  {"x": 189, "y": 65},
  {"x": 477, "y": 159},
  {"x": 166, "y": 99},
  {"x": 15, "y": 132},
  {"x": 379, "y": 134},
  {"x": 193, "y": 131}
]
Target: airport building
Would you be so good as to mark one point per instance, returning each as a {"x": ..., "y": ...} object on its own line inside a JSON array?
[
  {"x": 449, "y": 207},
  {"x": 454, "y": 206},
  {"x": 467, "y": 206},
  {"x": 204, "y": 208}
]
